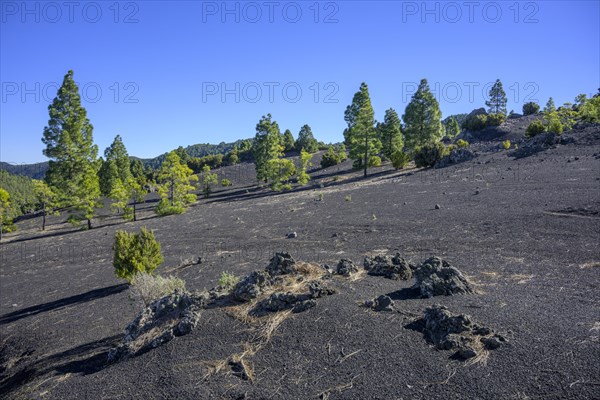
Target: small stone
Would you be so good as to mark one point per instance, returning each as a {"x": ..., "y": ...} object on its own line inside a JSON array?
[
  {"x": 292, "y": 235},
  {"x": 383, "y": 303},
  {"x": 437, "y": 207}
]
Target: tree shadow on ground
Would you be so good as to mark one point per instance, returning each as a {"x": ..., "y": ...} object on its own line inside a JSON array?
[
  {"x": 62, "y": 303},
  {"x": 85, "y": 359}
]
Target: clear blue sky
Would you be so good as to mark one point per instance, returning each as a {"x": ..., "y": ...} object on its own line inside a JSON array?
[{"x": 154, "y": 71}]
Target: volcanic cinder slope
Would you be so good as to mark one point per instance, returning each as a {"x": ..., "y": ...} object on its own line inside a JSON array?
[{"x": 524, "y": 230}]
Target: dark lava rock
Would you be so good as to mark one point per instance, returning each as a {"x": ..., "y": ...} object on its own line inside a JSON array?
[
  {"x": 292, "y": 235},
  {"x": 304, "y": 305},
  {"x": 383, "y": 303},
  {"x": 346, "y": 267},
  {"x": 281, "y": 264},
  {"x": 251, "y": 286},
  {"x": 279, "y": 302},
  {"x": 437, "y": 207},
  {"x": 390, "y": 267},
  {"x": 317, "y": 289},
  {"x": 173, "y": 315},
  {"x": 448, "y": 331},
  {"x": 435, "y": 277}
]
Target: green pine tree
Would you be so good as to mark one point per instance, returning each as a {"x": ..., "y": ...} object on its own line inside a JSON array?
[
  {"x": 266, "y": 147},
  {"x": 390, "y": 133},
  {"x": 361, "y": 135},
  {"x": 47, "y": 200},
  {"x": 422, "y": 118},
  {"x": 176, "y": 183},
  {"x": 288, "y": 141},
  {"x": 108, "y": 176},
  {"x": 497, "y": 99},
  {"x": 452, "y": 128},
  {"x": 73, "y": 166},
  {"x": 550, "y": 107},
  {"x": 306, "y": 140}
]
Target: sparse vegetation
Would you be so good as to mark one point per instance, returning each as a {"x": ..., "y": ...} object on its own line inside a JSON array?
[
  {"x": 227, "y": 281},
  {"x": 135, "y": 253},
  {"x": 147, "y": 287},
  {"x": 476, "y": 122},
  {"x": 176, "y": 184},
  {"x": 462, "y": 144},
  {"x": 506, "y": 144},
  {"x": 495, "y": 119},
  {"x": 348, "y": 198},
  {"x": 226, "y": 182},
  {"x": 208, "y": 180}
]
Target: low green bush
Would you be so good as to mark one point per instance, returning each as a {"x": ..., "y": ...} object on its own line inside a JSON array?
[
  {"x": 135, "y": 253},
  {"x": 227, "y": 281},
  {"x": 164, "y": 207},
  {"x": 460, "y": 143},
  {"x": 226, "y": 182},
  {"x": 400, "y": 159},
  {"x": 374, "y": 161},
  {"x": 506, "y": 144},
  {"x": 429, "y": 154},
  {"x": 535, "y": 128},
  {"x": 495, "y": 119},
  {"x": 475, "y": 122}
]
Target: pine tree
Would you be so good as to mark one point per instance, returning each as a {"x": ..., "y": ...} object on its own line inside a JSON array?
[
  {"x": 176, "y": 182},
  {"x": 108, "y": 176},
  {"x": 550, "y": 107},
  {"x": 4, "y": 209},
  {"x": 303, "y": 176},
  {"x": 390, "y": 133},
  {"x": 137, "y": 169},
  {"x": 361, "y": 136},
  {"x": 266, "y": 147},
  {"x": 422, "y": 118},
  {"x": 73, "y": 167},
  {"x": 306, "y": 140},
  {"x": 497, "y": 99},
  {"x": 288, "y": 141},
  {"x": 208, "y": 179},
  {"x": 117, "y": 152},
  {"x": 46, "y": 199},
  {"x": 452, "y": 128}
]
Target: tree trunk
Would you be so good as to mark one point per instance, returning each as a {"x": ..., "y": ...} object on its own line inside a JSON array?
[
  {"x": 134, "y": 216},
  {"x": 366, "y": 152},
  {"x": 89, "y": 223},
  {"x": 44, "y": 217}
]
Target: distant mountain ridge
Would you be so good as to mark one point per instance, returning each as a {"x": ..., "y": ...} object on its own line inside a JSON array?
[{"x": 38, "y": 170}]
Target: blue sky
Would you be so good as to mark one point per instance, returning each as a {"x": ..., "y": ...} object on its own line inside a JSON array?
[{"x": 164, "y": 74}]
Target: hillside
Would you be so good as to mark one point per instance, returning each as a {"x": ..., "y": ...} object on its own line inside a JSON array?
[{"x": 523, "y": 230}]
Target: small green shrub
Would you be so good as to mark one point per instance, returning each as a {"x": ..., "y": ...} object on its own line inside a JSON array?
[
  {"x": 476, "y": 122},
  {"x": 531, "y": 108},
  {"x": 462, "y": 143},
  {"x": 374, "y": 161},
  {"x": 226, "y": 182},
  {"x": 135, "y": 253},
  {"x": 555, "y": 126},
  {"x": 330, "y": 158},
  {"x": 335, "y": 178},
  {"x": 228, "y": 281},
  {"x": 320, "y": 196},
  {"x": 164, "y": 208},
  {"x": 450, "y": 148},
  {"x": 535, "y": 128},
  {"x": 506, "y": 144},
  {"x": 147, "y": 287},
  {"x": 348, "y": 198},
  {"x": 495, "y": 119},
  {"x": 400, "y": 159},
  {"x": 429, "y": 154}
]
